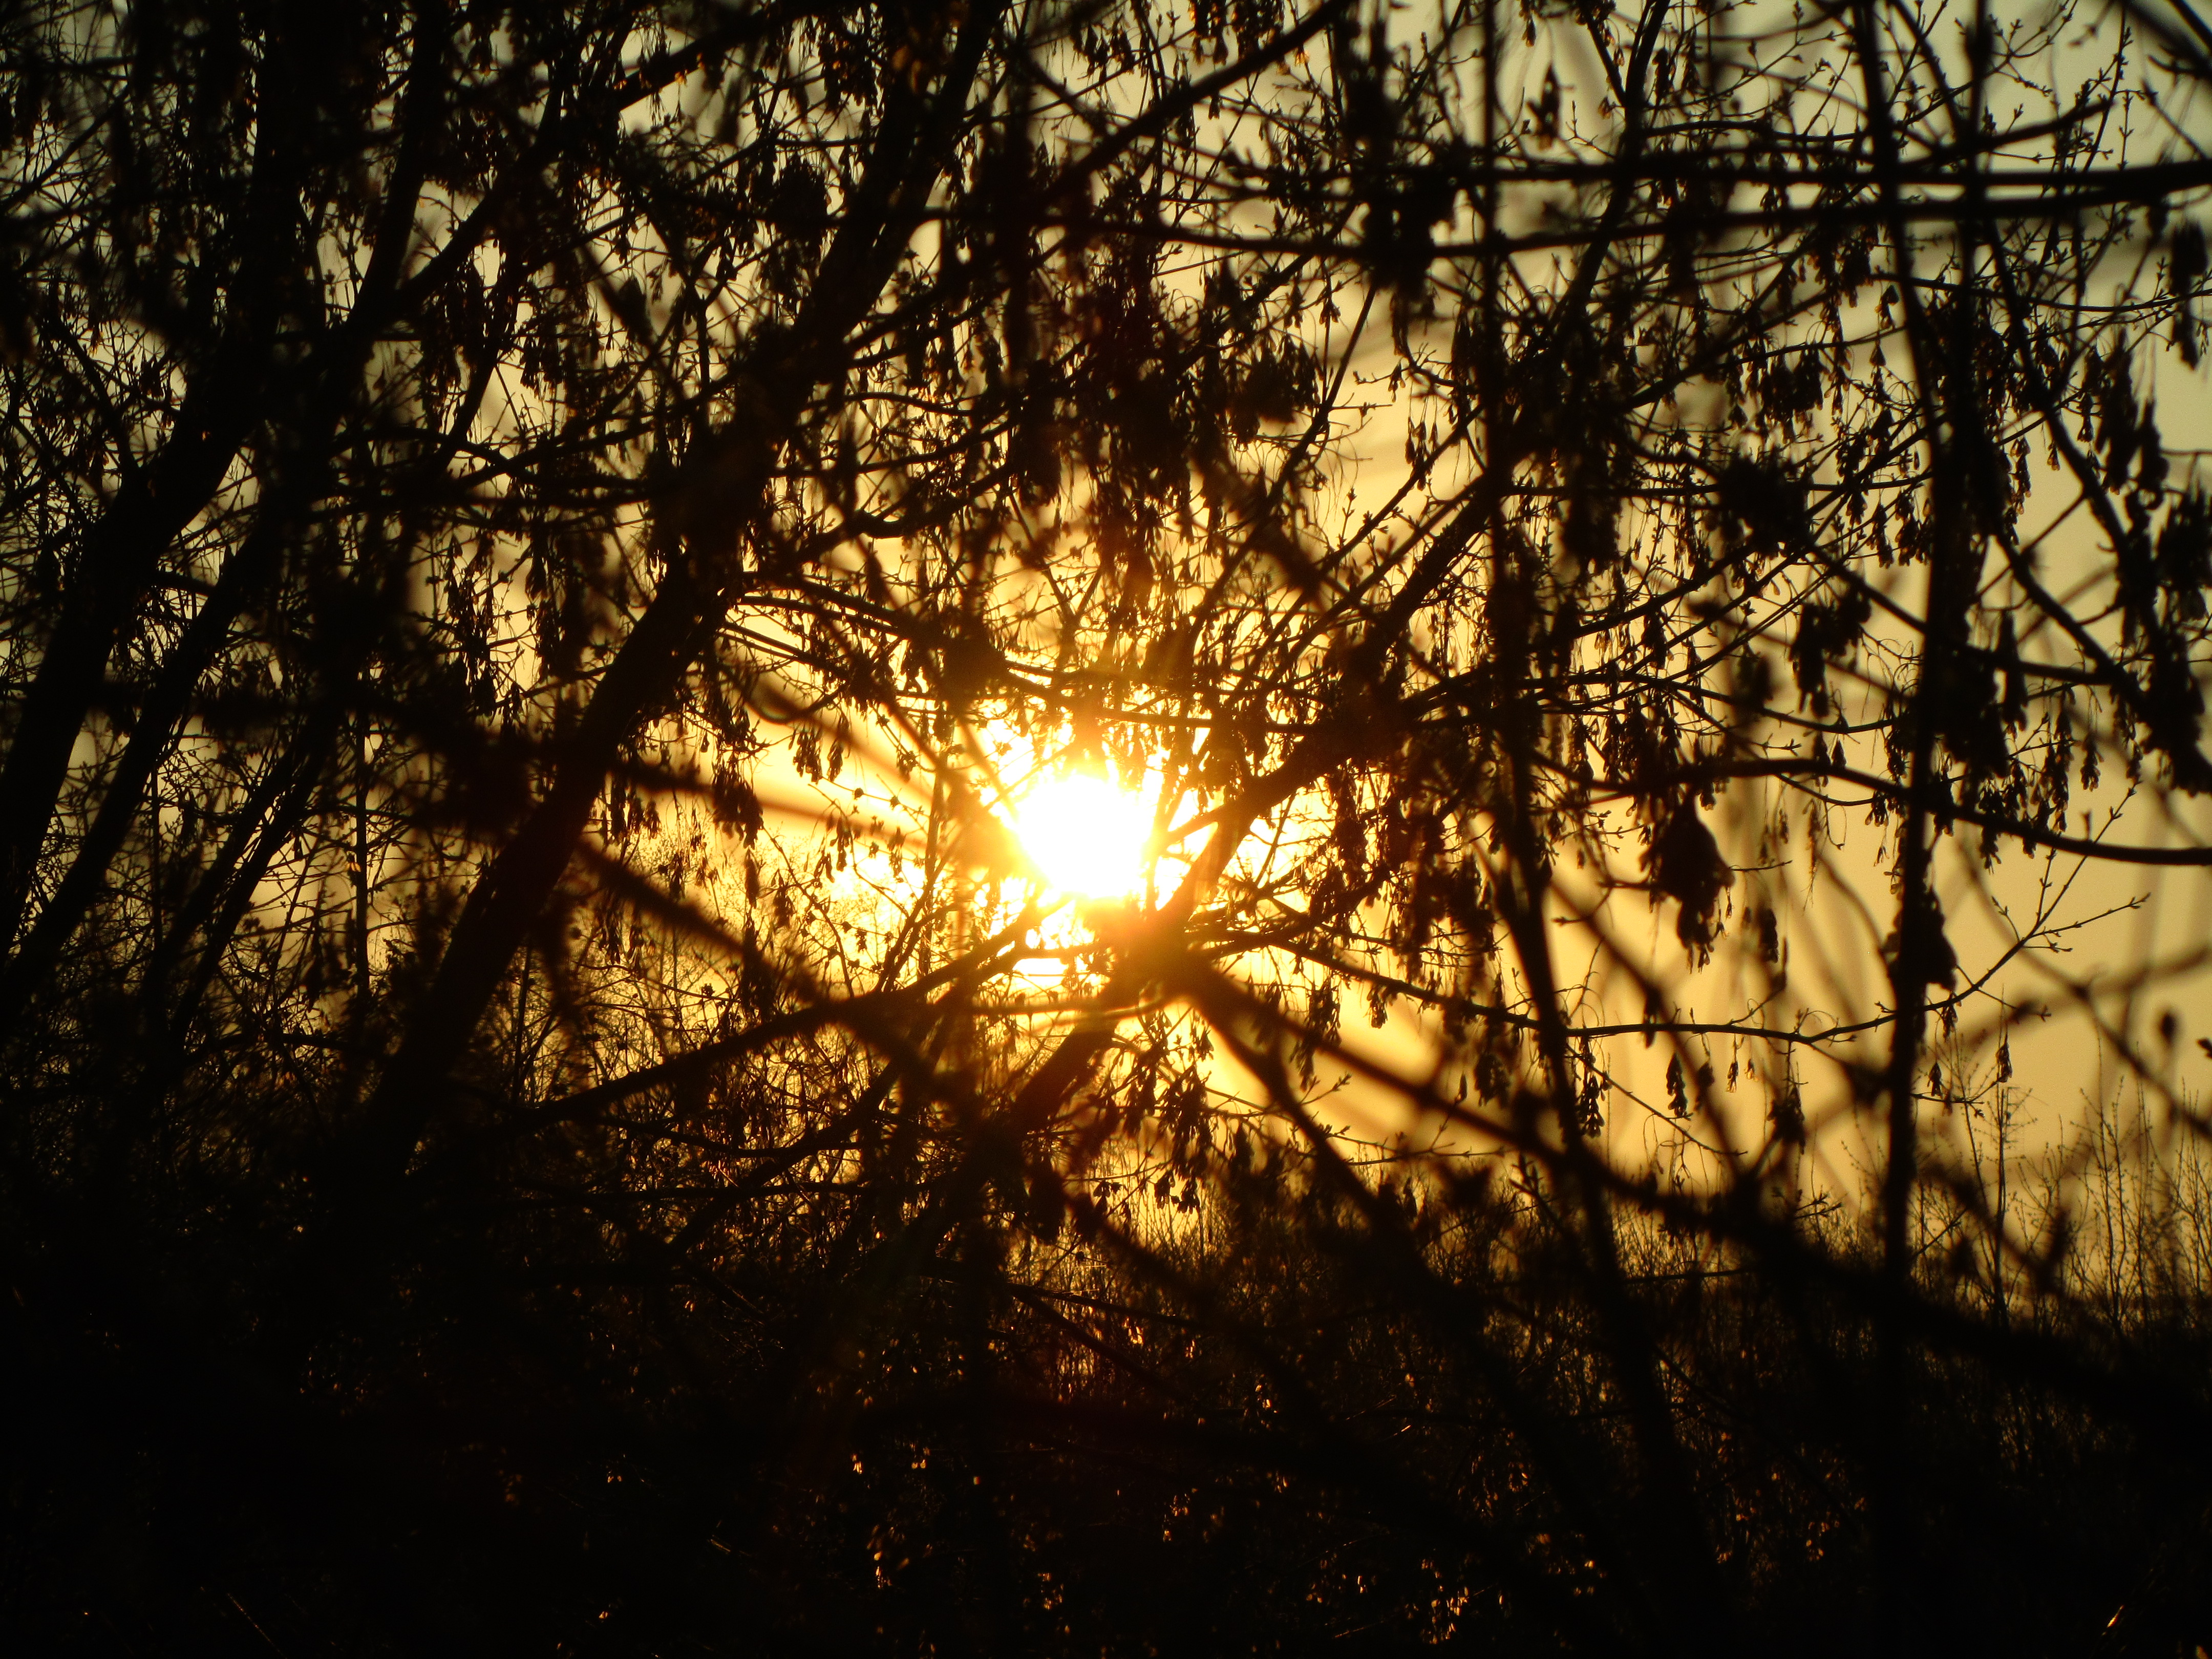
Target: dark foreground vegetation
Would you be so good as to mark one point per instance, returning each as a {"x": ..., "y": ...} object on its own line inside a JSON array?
[
  {"x": 541, "y": 1110},
  {"x": 1326, "y": 1427}
]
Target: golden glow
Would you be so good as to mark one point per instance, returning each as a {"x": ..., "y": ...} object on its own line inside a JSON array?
[{"x": 1085, "y": 834}]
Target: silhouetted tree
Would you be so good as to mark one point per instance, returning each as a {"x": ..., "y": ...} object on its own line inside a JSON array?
[{"x": 543, "y": 1107}]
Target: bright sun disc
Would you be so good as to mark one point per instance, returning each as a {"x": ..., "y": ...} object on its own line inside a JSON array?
[{"x": 1085, "y": 836}]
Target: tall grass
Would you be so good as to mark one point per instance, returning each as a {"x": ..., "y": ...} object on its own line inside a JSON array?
[{"x": 1436, "y": 1408}]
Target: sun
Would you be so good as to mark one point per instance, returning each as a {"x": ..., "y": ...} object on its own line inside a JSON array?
[{"x": 1086, "y": 836}]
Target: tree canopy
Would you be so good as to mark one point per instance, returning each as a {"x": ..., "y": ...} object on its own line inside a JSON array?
[{"x": 549, "y": 1099}]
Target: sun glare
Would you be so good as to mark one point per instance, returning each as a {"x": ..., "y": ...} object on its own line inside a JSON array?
[{"x": 1085, "y": 834}]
